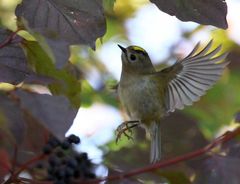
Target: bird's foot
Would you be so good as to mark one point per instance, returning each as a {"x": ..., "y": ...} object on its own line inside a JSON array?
[{"x": 124, "y": 127}]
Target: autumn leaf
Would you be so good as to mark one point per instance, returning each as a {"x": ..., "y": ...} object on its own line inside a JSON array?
[
  {"x": 77, "y": 22},
  {"x": 13, "y": 65},
  {"x": 207, "y": 12}
]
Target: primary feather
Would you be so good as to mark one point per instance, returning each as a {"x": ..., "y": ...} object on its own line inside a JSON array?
[{"x": 189, "y": 78}]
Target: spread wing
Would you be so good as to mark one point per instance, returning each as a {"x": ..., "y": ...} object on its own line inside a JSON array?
[{"x": 189, "y": 78}]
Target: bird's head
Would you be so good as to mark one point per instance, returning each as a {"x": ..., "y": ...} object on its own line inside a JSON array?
[{"x": 136, "y": 59}]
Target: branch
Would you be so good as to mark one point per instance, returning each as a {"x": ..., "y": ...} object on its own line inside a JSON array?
[
  {"x": 162, "y": 164},
  {"x": 220, "y": 140},
  {"x": 14, "y": 176},
  {"x": 9, "y": 39},
  {"x": 26, "y": 180},
  {"x": 30, "y": 162}
]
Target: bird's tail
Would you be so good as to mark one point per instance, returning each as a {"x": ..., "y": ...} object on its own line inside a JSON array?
[{"x": 155, "y": 134}]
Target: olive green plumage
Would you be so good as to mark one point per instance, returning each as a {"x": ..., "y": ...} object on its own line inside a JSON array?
[{"x": 148, "y": 95}]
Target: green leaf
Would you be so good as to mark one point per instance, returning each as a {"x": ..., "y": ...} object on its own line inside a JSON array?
[
  {"x": 66, "y": 84},
  {"x": 89, "y": 96},
  {"x": 56, "y": 48},
  {"x": 175, "y": 177},
  {"x": 108, "y": 5},
  {"x": 217, "y": 107}
]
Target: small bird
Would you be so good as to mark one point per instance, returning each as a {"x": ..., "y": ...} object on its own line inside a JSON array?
[{"x": 148, "y": 95}]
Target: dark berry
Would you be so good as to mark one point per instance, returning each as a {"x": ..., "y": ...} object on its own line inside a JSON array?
[
  {"x": 64, "y": 160},
  {"x": 77, "y": 140},
  {"x": 60, "y": 173},
  {"x": 90, "y": 175},
  {"x": 47, "y": 149},
  {"x": 60, "y": 154},
  {"x": 60, "y": 182},
  {"x": 50, "y": 177},
  {"x": 84, "y": 156},
  {"x": 54, "y": 160},
  {"x": 73, "y": 139},
  {"x": 50, "y": 170},
  {"x": 88, "y": 163},
  {"x": 65, "y": 145},
  {"x": 69, "y": 172},
  {"x": 81, "y": 157},
  {"x": 72, "y": 162},
  {"x": 77, "y": 173},
  {"x": 40, "y": 166},
  {"x": 54, "y": 142}
]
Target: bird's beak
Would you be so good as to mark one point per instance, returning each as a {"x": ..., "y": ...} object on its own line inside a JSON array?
[{"x": 123, "y": 49}]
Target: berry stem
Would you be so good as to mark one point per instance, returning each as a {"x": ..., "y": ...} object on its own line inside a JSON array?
[
  {"x": 14, "y": 160},
  {"x": 26, "y": 180},
  {"x": 14, "y": 177},
  {"x": 29, "y": 162}
]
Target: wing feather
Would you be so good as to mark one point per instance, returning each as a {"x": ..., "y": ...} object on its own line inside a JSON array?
[
  {"x": 205, "y": 50},
  {"x": 189, "y": 78},
  {"x": 194, "y": 50}
]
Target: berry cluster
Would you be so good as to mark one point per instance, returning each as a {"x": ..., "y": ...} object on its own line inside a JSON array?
[{"x": 64, "y": 164}]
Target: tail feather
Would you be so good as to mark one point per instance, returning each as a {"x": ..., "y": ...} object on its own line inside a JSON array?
[{"x": 155, "y": 133}]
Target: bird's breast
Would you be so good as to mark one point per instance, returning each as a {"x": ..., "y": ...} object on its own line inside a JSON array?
[{"x": 141, "y": 98}]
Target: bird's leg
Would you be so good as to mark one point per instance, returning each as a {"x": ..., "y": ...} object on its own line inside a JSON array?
[{"x": 124, "y": 127}]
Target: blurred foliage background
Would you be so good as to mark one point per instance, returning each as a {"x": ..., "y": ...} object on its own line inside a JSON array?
[{"x": 166, "y": 39}]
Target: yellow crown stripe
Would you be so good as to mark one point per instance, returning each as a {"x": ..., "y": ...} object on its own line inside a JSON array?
[{"x": 136, "y": 48}]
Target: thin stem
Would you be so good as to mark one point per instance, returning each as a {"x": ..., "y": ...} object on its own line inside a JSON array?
[
  {"x": 14, "y": 160},
  {"x": 34, "y": 181},
  {"x": 4, "y": 166},
  {"x": 23, "y": 167},
  {"x": 220, "y": 140},
  {"x": 9, "y": 39},
  {"x": 30, "y": 162}
]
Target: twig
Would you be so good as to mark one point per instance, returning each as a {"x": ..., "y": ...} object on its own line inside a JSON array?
[
  {"x": 23, "y": 167},
  {"x": 9, "y": 39},
  {"x": 26, "y": 180},
  {"x": 4, "y": 166},
  {"x": 14, "y": 160},
  {"x": 30, "y": 162},
  {"x": 220, "y": 140}
]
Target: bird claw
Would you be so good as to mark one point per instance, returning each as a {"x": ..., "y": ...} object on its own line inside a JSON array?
[{"x": 124, "y": 127}]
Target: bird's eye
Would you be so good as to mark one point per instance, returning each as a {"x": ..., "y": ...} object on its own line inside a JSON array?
[{"x": 133, "y": 57}]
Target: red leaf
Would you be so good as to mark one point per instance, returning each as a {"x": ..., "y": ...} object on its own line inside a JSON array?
[
  {"x": 77, "y": 22},
  {"x": 13, "y": 65},
  {"x": 207, "y": 12},
  {"x": 219, "y": 170},
  {"x": 5, "y": 164},
  {"x": 35, "y": 137},
  {"x": 55, "y": 113},
  {"x": 12, "y": 118}
]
